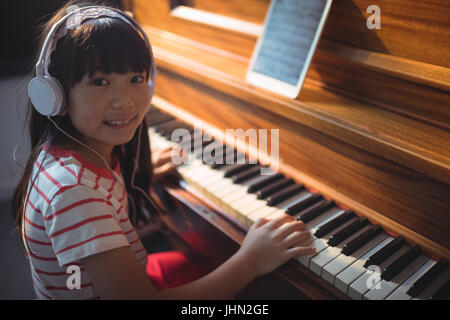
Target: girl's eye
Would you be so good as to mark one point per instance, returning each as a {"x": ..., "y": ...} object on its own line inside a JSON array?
[
  {"x": 100, "y": 82},
  {"x": 138, "y": 79}
]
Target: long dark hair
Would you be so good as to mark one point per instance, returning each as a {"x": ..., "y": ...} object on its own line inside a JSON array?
[{"x": 76, "y": 54}]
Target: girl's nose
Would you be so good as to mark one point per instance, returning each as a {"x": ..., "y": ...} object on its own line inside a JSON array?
[{"x": 122, "y": 99}]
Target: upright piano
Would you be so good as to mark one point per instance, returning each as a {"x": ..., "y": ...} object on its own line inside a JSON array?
[{"x": 363, "y": 152}]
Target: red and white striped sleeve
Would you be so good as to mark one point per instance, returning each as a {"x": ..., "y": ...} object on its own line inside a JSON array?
[{"x": 80, "y": 222}]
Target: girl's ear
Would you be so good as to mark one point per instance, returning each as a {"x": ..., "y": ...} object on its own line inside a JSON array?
[{"x": 64, "y": 111}]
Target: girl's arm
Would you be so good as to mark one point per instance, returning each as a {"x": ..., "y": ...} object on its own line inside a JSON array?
[{"x": 117, "y": 274}]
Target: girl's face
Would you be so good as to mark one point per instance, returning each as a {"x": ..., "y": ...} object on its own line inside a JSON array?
[{"x": 108, "y": 108}]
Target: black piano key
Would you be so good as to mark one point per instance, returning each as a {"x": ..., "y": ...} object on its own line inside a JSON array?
[
  {"x": 197, "y": 146},
  {"x": 343, "y": 234},
  {"x": 167, "y": 132},
  {"x": 333, "y": 224},
  {"x": 282, "y": 195},
  {"x": 398, "y": 265},
  {"x": 316, "y": 210},
  {"x": 236, "y": 168},
  {"x": 421, "y": 284},
  {"x": 209, "y": 157},
  {"x": 274, "y": 187},
  {"x": 159, "y": 119},
  {"x": 261, "y": 184},
  {"x": 163, "y": 126},
  {"x": 227, "y": 153},
  {"x": 303, "y": 204},
  {"x": 361, "y": 240},
  {"x": 443, "y": 292},
  {"x": 247, "y": 174},
  {"x": 385, "y": 252}
]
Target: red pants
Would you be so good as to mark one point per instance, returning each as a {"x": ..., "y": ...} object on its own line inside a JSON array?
[{"x": 174, "y": 268}]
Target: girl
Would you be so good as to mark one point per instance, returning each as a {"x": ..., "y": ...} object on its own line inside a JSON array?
[{"x": 71, "y": 204}]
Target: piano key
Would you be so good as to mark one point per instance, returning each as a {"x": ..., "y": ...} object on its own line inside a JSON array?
[
  {"x": 242, "y": 176},
  {"x": 239, "y": 191},
  {"x": 328, "y": 254},
  {"x": 427, "y": 278},
  {"x": 244, "y": 204},
  {"x": 274, "y": 187},
  {"x": 162, "y": 126},
  {"x": 158, "y": 119},
  {"x": 343, "y": 234},
  {"x": 434, "y": 286},
  {"x": 328, "y": 227},
  {"x": 302, "y": 205},
  {"x": 361, "y": 240},
  {"x": 266, "y": 181},
  {"x": 401, "y": 293},
  {"x": 315, "y": 223},
  {"x": 324, "y": 218},
  {"x": 269, "y": 211},
  {"x": 443, "y": 292},
  {"x": 384, "y": 253},
  {"x": 332, "y": 269},
  {"x": 398, "y": 265},
  {"x": 283, "y": 194},
  {"x": 320, "y": 244},
  {"x": 316, "y": 210},
  {"x": 364, "y": 283},
  {"x": 249, "y": 211},
  {"x": 236, "y": 168},
  {"x": 357, "y": 269},
  {"x": 386, "y": 287}
]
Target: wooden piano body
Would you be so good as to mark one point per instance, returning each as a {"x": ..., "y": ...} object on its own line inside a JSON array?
[{"x": 370, "y": 128}]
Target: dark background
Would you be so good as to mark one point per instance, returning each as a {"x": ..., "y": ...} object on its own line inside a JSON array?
[{"x": 18, "y": 34}]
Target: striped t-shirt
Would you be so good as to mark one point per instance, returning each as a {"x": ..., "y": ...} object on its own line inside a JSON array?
[{"x": 74, "y": 210}]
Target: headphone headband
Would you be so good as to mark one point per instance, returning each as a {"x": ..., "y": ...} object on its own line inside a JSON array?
[{"x": 45, "y": 91}]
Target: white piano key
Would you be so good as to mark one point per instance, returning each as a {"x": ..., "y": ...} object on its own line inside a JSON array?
[
  {"x": 325, "y": 217},
  {"x": 356, "y": 269},
  {"x": 330, "y": 253},
  {"x": 385, "y": 288},
  {"x": 321, "y": 243},
  {"x": 239, "y": 192},
  {"x": 267, "y": 211},
  {"x": 342, "y": 261},
  {"x": 195, "y": 173},
  {"x": 434, "y": 286},
  {"x": 400, "y": 292},
  {"x": 364, "y": 283}
]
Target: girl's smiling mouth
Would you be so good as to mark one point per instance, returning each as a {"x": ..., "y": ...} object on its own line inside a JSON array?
[{"x": 119, "y": 123}]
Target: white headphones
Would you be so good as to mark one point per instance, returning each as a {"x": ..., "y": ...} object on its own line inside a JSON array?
[{"x": 46, "y": 92}]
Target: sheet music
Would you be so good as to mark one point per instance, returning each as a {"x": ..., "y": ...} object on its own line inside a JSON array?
[{"x": 288, "y": 38}]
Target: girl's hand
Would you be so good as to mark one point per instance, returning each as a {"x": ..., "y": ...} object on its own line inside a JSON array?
[
  {"x": 270, "y": 243},
  {"x": 162, "y": 163}
]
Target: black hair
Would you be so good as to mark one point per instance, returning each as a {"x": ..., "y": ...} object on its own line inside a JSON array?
[{"x": 83, "y": 50}]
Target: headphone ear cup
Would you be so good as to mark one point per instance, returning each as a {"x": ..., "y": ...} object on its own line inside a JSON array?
[
  {"x": 151, "y": 89},
  {"x": 47, "y": 95}
]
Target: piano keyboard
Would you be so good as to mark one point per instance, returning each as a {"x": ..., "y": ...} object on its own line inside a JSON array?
[{"x": 358, "y": 258}]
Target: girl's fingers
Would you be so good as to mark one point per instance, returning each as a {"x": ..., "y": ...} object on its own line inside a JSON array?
[
  {"x": 163, "y": 170},
  {"x": 296, "y": 238},
  {"x": 279, "y": 220},
  {"x": 157, "y": 150},
  {"x": 259, "y": 222},
  {"x": 300, "y": 251},
  {"x": 290, "y": 227}
]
